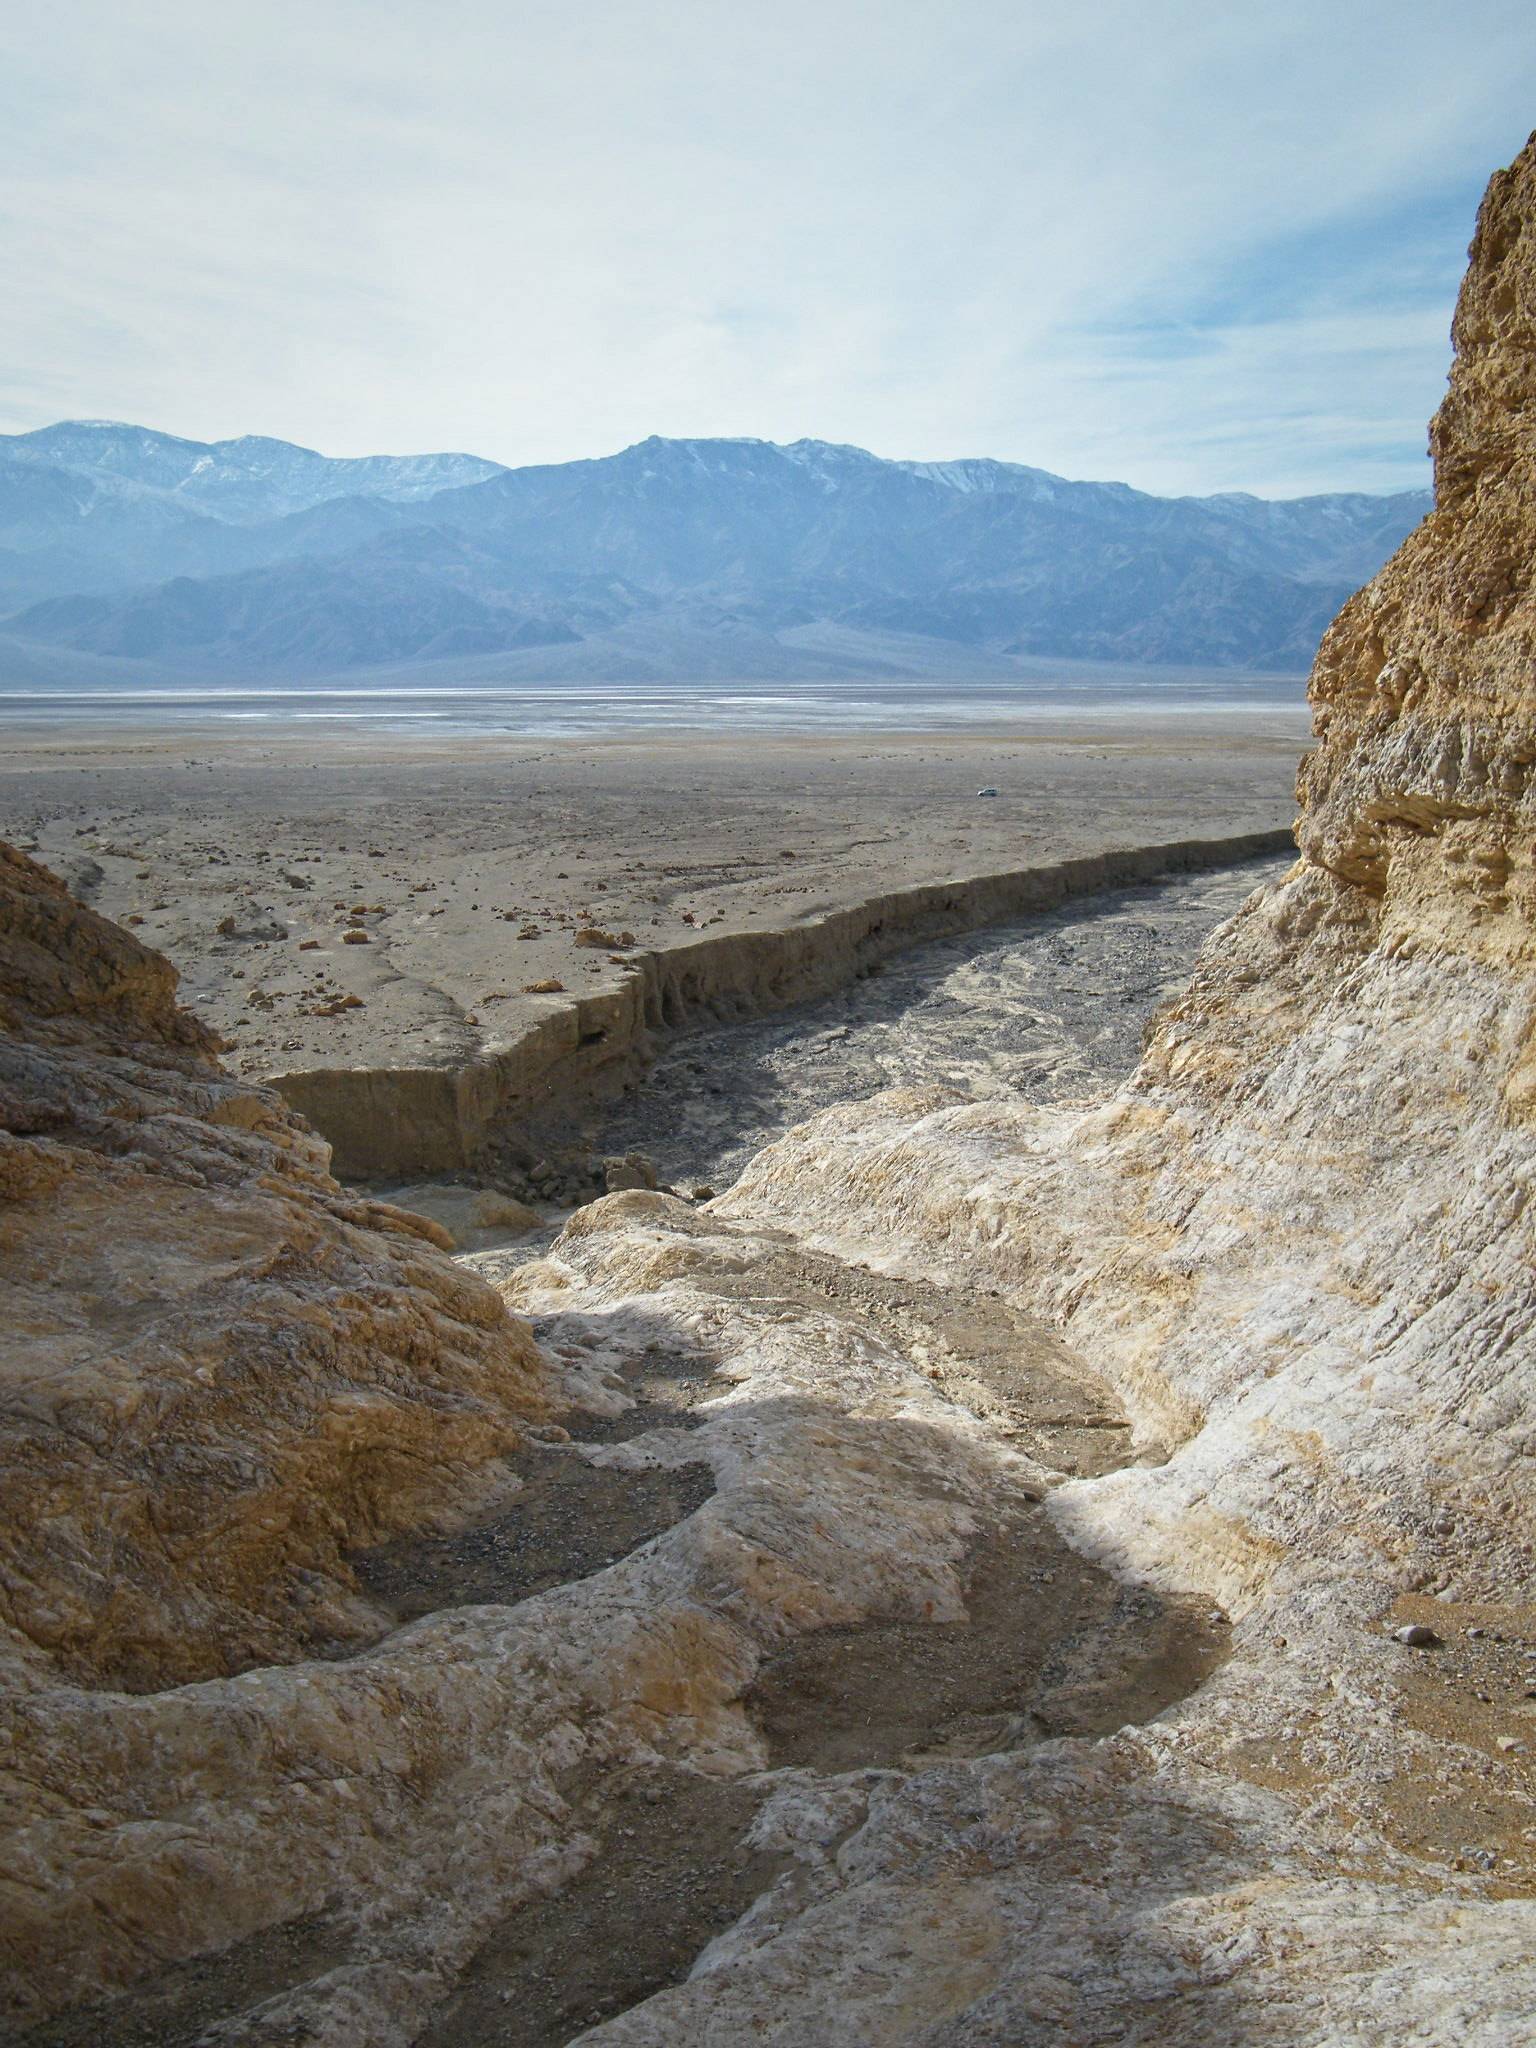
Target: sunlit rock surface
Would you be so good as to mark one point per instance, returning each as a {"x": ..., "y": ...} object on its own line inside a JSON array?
[{"x": 219, "y": 1370}]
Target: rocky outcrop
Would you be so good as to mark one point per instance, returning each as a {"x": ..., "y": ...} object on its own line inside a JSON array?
[
  {"x": 220, "y": 1372},
  {"x": 285, "y": 1688}
]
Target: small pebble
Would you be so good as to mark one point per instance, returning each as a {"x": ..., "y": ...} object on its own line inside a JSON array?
[{"x": 1415, "y": 1635}]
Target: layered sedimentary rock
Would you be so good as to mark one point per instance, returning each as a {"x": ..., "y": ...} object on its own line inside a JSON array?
[{"x": 219, "y": 1370}]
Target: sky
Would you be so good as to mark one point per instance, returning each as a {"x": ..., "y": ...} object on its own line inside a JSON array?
[{"x": 1192, "y": 246}]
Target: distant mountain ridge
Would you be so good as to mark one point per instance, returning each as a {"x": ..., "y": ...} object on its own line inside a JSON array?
[
  {"x": 670, "y": 558},
  {"x": 96, "y": 505},
  {"x": 245, "y": 480}
]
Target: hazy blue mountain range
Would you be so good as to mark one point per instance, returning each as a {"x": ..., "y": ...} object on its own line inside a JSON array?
[
  {"x": 672, "y": 558},
  {"x": 92, "y": 505}
]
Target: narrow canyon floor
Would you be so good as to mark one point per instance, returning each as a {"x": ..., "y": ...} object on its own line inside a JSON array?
[
  {"x": 1006, "y": 1639},
  {"x": 1013, "y": 1640},
  {"x": 1054, "y": 1005},
  {"x": 782, "y": 1594}
]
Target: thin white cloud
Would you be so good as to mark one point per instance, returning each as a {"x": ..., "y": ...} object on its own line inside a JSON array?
[{"x": 541, "y": 231}]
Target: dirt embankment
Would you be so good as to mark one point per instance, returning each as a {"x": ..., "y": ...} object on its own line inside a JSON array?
[{"x": 507, "y": 1107}]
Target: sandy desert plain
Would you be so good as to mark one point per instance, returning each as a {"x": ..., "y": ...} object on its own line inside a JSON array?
[{"x": 338, "y": 899}]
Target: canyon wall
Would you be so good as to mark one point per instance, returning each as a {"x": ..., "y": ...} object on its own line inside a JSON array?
[{"x": 1301, "y": 1244}]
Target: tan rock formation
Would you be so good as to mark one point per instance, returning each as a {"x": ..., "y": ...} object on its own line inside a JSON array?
[
  {"x": 225, "y": 1380},
  {"x": 219, "y": 1371}
]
